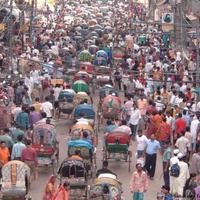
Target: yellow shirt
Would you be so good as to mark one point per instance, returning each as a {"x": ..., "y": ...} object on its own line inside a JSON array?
[{"x": 37, "y": 106}]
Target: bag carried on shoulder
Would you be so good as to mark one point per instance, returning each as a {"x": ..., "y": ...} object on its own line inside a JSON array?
[{"x": 175, "y": 170}]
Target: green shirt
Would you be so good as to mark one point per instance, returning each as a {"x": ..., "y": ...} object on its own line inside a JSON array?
[
  {"x": 7, "y": 139},
  {"x": 167, "y": 154},
  {"x": 14, "y": 134}
]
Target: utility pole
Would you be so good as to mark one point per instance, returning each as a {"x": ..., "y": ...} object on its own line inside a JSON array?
[
  {"x": 36, "y": 1},
  {"x": 11, "y": 35},
  {"x": 22, "y": 24},
  {"x": 197, "y": 52},
  {"x": 31, "y": 22}
]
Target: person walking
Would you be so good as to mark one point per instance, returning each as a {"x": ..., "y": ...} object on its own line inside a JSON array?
[
  {"x": 29, "y": 157},
  {"x": 152, "y": 146},
  {"x": 165, "y": 190},
  {"x": 194, "y": 129},
  {"x": 164, "y": 132},
  {"x": 180, "y": 125},
  {"x": 34, "y": 116},
  {"x": 138, "y": 183},
  {"x": 47, "y": 107},
  {"x": 4, "y": 153},
  {"x": 23, "y": 119},
  {"x": 5, "y": 137},
  {"x": 37, "y": 104},
  {"x": 50, "y": 188},
  {"x": 135, "y": 116},
  {"x": 17, "y": 148},
  {"x": 17, "y": 131},
  {"x": 195, "y": 163},
  {"x": 166, "y": 162},
  {"x": 141, "y": 143},
  {"x": 178, "y": 183},
  {"x": 183, "y": 145}
]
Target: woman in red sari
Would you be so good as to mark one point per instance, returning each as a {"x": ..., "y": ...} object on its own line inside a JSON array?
[
  {"x": 50, "y": 188},
  {"x": 63, "y": 192}
]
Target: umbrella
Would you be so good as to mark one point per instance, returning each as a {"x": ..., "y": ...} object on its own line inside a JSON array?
[
  {"x": 36, "y": 17},
  {"x": 60, "y": 31},
  {"x": 83, "y": 25},
  {"x": 93, "y": 33},
  {"x": 78, "y": 38},
  {"x": 100, "y": 32},
  {"x": 197, "y": 90},
  {"x": 85, "y": 56},
  {"x": 98, "y": 26},
  {"x": 93, "y": 22},
  {"x": 94, "y": 37},
  {"x": 78, "y": 28},
  {"x": 99, "y": 15},
  {"x": 93, "y": 49},
  {"x": 50, "y": 52},
  {"x": 136, "y": 47},
  {"x": 107, "y": 29},
  {"x": 90, "y": 42}
]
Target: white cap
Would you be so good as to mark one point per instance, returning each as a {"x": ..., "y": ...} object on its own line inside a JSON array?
[
  {"x": 180, "y": 155},
  {"x": 176, "y": 151},
  {"x": 113, "y": 94}
]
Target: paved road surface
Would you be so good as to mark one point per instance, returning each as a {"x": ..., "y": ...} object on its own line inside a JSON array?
[{"x": 121, "y": 169}]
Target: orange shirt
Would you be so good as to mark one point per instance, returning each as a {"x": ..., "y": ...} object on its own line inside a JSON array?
[{"x": 4, "y": 155}]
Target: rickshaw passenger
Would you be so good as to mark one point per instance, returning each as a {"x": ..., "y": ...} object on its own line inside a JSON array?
[
  {"x": 77, "y": 155},
  {"x": 125, "y": 128},
  {"x": 105, "y": 169},
  {"x": 82, "y": 119},
  {"x": 85, "y": 137}
]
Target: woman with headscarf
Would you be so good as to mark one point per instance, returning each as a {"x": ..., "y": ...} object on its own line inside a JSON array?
[
  {"x": 50, "y": 188},
  {"x": 63, "y": 192}
]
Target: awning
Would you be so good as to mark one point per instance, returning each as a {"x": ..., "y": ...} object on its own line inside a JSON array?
[
  {"x": 16, "y": 12},
  {"x": 191, "y": 17}
]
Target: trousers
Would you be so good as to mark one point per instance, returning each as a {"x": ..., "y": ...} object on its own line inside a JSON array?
[{"x": 150, "y": 164}]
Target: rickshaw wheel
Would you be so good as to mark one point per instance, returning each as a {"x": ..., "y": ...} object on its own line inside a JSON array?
[
  {"x": 129, "y": 160},
  {"x": 98, "y": 119},
  {"x": 55, "y": 165},
  {"x": 104, "y": 154}
]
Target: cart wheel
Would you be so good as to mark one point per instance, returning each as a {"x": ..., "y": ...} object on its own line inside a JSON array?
[{"x": 129, "y": 160}]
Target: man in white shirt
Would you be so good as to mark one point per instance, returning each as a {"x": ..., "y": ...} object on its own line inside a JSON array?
[
  {"x": 174, "y": 159},
  {"x": 183, "y": 145},
  {"x": 47, "y": 107},
  {"x": 141, "y": 143},
  {"x": 159, "y": 104},
  {"x": 193, "y": 130},
  {"x": 135, "y": 116},
  {"x": 148, "y": 66}
]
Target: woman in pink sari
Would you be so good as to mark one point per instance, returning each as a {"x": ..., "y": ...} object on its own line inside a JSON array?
[
  {"x": 63, "y": 192},
  {"x": 50, "y": 188}
]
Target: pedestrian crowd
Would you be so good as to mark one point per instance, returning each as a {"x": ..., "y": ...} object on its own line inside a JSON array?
[{"x": 161, "y": 110}]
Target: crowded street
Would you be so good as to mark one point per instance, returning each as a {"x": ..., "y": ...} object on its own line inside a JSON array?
[{"x": 99, "y": 100}]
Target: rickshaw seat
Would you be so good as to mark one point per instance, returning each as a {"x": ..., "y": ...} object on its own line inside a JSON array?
[
  {"x": 46, "y": 149},
  {"x": 117, "y": 148}
]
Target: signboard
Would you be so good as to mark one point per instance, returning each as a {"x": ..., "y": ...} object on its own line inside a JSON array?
[
  {"x": 160, "y": 2},
  {"x": 167, "y": 22}
]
